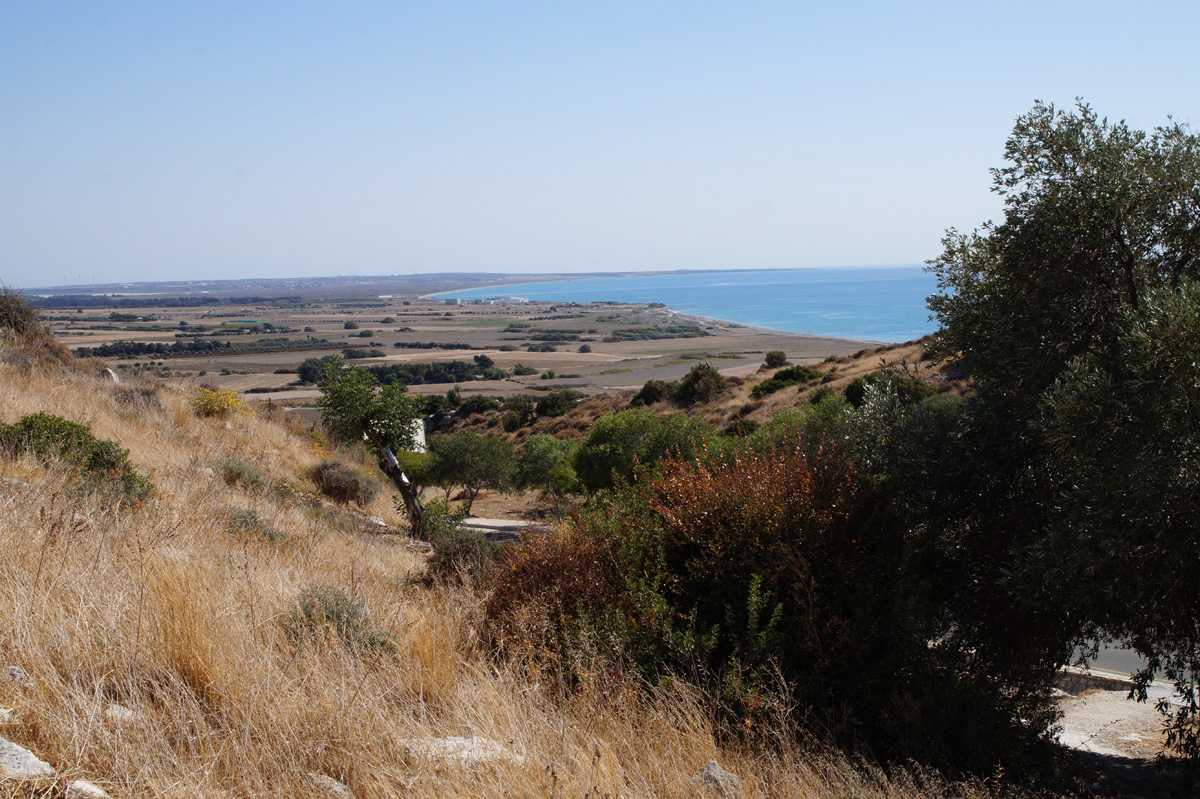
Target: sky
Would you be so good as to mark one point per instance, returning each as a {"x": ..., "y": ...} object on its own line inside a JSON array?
[{"x": 208, "y": 140}]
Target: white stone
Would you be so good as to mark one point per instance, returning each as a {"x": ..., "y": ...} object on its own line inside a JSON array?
[
  {"x": 208, "y": 472},
  {"x": 109, "y": 375},
  {"x": 119, "y": 714},
  {"x": 712, "y": 780},
  {"x": 17, "y": 761},
  {"x": 13, "y": 483},
  {"x": 330, "y": 787},
  {"x": 464, "y": 751},
  {"x": 18, "y": 675},
  {"x": 82, "y": 789},
  {"x": 7, "y": 716}
]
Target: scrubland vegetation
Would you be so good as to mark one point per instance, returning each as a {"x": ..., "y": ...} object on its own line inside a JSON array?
[
  {"x": 233, "y": 632},
  {"x": 834, "y": 580}
]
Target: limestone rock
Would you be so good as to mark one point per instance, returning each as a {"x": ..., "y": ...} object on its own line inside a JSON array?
[
  {"x": 18, "y": 675},
  {"x": 413, "y": 545},
  {"x": 710, "y": 780},
  {"x": 82, "y": 789},
  {"x": 17, "y": 761},
  {"x": 329, "y": 786},
  {"x": 119, "y": 714},
  {"x": 7, "y": 716},
  {"x": 13, "y": 484},
  {"x": 463, "y": 751},
  {"x": 208, "y": 472},
  {"x": 109, "y": 375}
]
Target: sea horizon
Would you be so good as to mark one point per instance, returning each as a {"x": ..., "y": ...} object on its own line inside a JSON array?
[{"x": 870, "y": 303}]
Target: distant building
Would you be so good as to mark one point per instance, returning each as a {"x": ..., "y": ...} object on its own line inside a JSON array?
[
  {"x": 385, "y": 296},
  {"x": 454, "y": 301},
  {"x": 512, "y": 300}
]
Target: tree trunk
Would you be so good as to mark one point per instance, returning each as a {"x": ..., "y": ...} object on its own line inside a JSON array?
[{"x": 408, "y": 492}]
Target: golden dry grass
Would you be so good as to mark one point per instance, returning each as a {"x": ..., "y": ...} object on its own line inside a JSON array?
[{"x": 163, "y": 666}]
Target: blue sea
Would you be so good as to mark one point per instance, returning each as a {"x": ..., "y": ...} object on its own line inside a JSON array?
[{"x": 872, "y": 303}]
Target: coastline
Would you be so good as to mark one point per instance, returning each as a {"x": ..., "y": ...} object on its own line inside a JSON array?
[{"x": 874, "y": 305}]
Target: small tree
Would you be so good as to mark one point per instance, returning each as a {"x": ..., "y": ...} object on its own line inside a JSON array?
[
  {"x": 472, "y": 461},
  {"x": 547, "y": 464},
  {"x": 519, "y": 411},
  {"x": 354, "y": 408},
  {"x": 775, "y": 359}
]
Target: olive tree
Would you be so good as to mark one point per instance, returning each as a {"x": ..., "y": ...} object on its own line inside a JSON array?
[
  {"x": 547, "y": 464},
  {"x": 472, "y": 461},
  {"x": 1078, "y": 319},
  {"x": 354, "y": 408}
]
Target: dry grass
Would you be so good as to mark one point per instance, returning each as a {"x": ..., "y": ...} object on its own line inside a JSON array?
[{"x": 163, "y": 666}]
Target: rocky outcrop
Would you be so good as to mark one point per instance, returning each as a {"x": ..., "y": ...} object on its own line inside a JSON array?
[
  {"x": 18, "y": 762},
  {"x": 710, "y": 780},
  {"x": 81, "y": 789},
  {"x": 329, "y": 786},
  {"x": 462, "y": 751}
]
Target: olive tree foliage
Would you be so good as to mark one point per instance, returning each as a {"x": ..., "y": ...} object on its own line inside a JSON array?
[
  {"x": 353, "y": 408},
  {"x": 548, "y": 464},
  {"x": 472, "y": 461},
  {"x": 622, "y": 443},
  {"x": 1076, "y": 462}
]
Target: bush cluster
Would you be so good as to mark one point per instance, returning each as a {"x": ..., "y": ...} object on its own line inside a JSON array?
[
  {"x": 782, "y": 379},
  {"x": 102, "y": 464},
  {"x": 701, "y": 384},
  {"x": 771, "y": 579},
  {"x": 345, "y": 484},
  {"x": 217, "y": 402},
  {"x": 328, "y": 610}
]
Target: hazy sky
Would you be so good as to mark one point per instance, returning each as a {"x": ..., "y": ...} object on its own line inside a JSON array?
[{"x": 143, "y": 141}]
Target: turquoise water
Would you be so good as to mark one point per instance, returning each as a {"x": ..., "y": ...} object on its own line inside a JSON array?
[{"x": 885, "y": 304}]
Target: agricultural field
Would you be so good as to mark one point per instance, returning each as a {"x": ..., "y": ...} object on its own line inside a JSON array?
[{"x": 255, "y": 347}]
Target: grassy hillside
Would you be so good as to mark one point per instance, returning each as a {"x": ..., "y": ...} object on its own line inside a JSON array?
[{"x": 182, "y": 646}]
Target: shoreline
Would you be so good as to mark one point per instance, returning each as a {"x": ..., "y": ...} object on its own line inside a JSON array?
[{"x": 714, "y": 321}]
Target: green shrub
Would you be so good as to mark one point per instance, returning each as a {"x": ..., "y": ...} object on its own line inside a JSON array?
[
  {"x": 621, "y": 445},
  {"x": 558, "y": 402},
  {"x": 456, "y": 551},
  {"x": 103, "y": 465},
  {"x": 907, "y": 390},
  {"x": 585, "y": 348},
  {"x": 244, "y": 521},
  {"x": 782, "y": 379},
  {"x": 775, "y": 359},
  {"x": 350, "y": 325},
  {"x": 701, "y": 384},
  {"x": 323, "y": 609},
  {"x": 654, "y": 391},
  {"x": 519, "y": 411},
  {"x": 477, "y": 403},
  {"x": 237, "y": 472},
  {"x": 520, "y": 370},
  {"x": 343, "y": 483}
]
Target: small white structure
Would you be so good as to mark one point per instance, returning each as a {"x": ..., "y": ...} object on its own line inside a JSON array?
[{"x": 453, "y": 301}]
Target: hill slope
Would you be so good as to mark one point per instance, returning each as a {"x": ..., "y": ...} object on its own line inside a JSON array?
[{"x": 234, "y": 638}]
